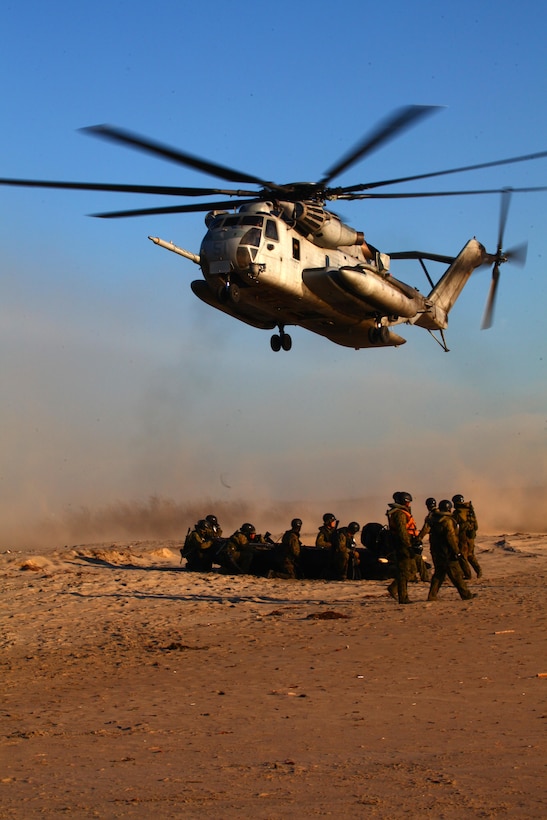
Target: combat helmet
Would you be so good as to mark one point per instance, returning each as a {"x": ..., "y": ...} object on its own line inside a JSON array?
[
  {"x": 445, "y": 505},
  {"x": 248, "y": 530}
]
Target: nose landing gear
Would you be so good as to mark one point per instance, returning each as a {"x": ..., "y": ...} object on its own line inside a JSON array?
[{"x": 281, "y": 341}]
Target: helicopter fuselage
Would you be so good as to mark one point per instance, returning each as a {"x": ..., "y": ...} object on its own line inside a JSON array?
[{"x": 265, "y": 268}]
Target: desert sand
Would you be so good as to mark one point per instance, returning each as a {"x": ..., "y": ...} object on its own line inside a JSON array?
[{"x": 134, "y": 689}]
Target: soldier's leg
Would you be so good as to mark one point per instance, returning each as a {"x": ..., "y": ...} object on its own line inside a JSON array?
[
  {"x": 456, "y": 576},
  {"x": 436, "y": 583},
  {"x": 392, "y": 589},
  {"x": 464, "y": 563},
  {"x": 404, "y": 573},
  {"x": 472, "y": 560}
]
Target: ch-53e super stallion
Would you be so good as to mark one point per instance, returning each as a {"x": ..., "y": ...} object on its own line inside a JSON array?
[{"x": 274, "y": 256}]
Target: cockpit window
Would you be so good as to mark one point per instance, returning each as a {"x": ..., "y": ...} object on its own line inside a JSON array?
[
  {"x": 271, "y": 229},
  {"x": 252, "y": 220},
  {"x": 251, "y": 237},
  {"x": 231, "y": 221}
]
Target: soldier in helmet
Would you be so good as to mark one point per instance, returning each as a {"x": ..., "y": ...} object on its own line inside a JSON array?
[
  {"x": 465, "y": 518},
  {"x": 344, "y": 551},
  {"x": 240, "y": 549},
  {"x": 443, "y": 542},
  {"x": 287, "y": 553},
  {"x": 403, "y": 530},
  {"x": 215, "y": 526},
  {"x": 326, "y": 531},
  {"x": 198, "y": 548},
  {"x": 431, "y": 505}
]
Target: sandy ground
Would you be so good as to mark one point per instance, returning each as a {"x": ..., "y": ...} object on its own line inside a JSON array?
[{"x": 132, "y": 688}]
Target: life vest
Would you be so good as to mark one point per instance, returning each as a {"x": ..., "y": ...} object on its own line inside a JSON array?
[{"x": 410, "y": 524}]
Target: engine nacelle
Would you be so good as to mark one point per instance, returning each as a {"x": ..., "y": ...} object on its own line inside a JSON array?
[
  {"x": 381, "y": 292},
  {"x": 321, "y": 227}
]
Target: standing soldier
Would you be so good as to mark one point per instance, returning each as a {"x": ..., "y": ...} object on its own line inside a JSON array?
[
  {"x": 403, "y": 530},
  {"x": 443, "y": 541},
  {"x": 431, "y": 505},
  {"x": 466, "y": 520},
  {"x": 198, "y": 548},
  {"x": 287, "y": 553},
  {"x": 344, "y": 551}
]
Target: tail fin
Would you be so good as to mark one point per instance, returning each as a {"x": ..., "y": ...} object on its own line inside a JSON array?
[{"x": 445, "y": 293}]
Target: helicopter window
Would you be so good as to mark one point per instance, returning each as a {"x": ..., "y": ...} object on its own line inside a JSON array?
[
  {"x": 252, "y": 237},
  {"x": 271, "y": 229},
  {"x": 296, "y": 249},
  {"x": 231, "y": 221},
  {"x": 253, "y": 220}
]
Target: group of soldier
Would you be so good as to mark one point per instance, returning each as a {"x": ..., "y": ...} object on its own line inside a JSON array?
[{"x": 451, "y": 526}]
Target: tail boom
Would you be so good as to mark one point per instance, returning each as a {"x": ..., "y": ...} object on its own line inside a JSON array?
[{"x": 447, "y": 290}]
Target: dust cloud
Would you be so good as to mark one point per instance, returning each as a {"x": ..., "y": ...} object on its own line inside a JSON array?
[{"x": 502, "y": 510}]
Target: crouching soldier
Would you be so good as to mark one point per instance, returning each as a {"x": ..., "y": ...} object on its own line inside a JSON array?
[
  {"x": 443, "y": 542},
  {"x": 344, "y": 552},
  {"x": 198, "y": 548},
  {"x": 239, "y": 551}
]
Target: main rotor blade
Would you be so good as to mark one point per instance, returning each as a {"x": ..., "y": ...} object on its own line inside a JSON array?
[
  {"x": 489, "y": 312},
  {"x": 504, "y": 210},
  {"x": 396, "y": 195},
  {"x": 163, "y": 190},
  {"x": 433, "y": 257},
  {"x": 397, "y": 122},
  {"x": 367, "y": 185},
  {"x": 177, "y": 209},
  {"x": 119, "y": 135}
]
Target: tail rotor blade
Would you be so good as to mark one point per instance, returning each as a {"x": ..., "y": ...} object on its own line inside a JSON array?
[
  {"x": 490, "y": 304},
  {"x": 517, "y": 254}
]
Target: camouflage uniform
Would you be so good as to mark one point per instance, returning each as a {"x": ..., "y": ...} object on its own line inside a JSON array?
[
  {"x": 398, "y": 517},
  {"x": 443, "y": 542},
  {"x": 324, "y": 537},
  {"x": 465, "y": 518},
  {"x": 240, "y": 551},
  {"x": 343, "y": 553},
  {"x": 287, "y": 555},
  {"x": 198, "y": 551}
]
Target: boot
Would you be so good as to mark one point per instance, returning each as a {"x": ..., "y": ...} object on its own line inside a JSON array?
[
  {"x": 434, "y": 589},
  {"x": 402, "y": 591},
  {"x": 392, "y": 589}
]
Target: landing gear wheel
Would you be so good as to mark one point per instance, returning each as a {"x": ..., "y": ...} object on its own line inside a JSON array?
[
  {"x": 234, "y": 293},
  {"x": 286, "y": 341},
  {"x": 275, "y": 343}
]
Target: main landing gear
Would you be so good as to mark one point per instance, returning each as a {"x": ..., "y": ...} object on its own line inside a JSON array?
[{"x": 283, "y": 340}]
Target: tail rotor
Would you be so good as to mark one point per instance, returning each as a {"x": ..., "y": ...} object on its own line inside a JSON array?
[{"x": 516, "y": 255}]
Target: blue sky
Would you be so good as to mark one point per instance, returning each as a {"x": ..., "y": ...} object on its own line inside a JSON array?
[{"x": 117, "y": 384}]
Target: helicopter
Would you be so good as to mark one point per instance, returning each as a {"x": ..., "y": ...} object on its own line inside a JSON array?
[{"x": 274, "y": 256}]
